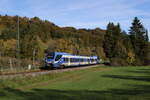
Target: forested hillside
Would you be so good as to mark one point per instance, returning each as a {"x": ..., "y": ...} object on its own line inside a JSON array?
[{"x": 38, "y": 36}]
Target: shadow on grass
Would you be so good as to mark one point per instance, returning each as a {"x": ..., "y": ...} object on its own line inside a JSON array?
[
  {"x": 135, "y": 92},
  {"x": 141, "y": 71},
  {"x": 141, "y": 75},
  {"x": 139, "y": 93},
  {"x": 47, "y": 94},
  {"x": 126, "y": 77}
]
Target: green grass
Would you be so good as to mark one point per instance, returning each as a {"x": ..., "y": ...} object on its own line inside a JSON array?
[{"x": 100, "y": 83}]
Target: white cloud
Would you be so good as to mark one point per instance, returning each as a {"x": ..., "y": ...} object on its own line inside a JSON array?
[{"x": 101, "y": 12}]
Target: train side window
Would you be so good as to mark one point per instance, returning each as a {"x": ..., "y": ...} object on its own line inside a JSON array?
[
  {"x": 64, "y": 59},
  {"x": 70, "y": 59},
  {"x": 73, "y": 59},
  {"x": 67, "y": 60},
  {"x": 76, "y": 59}
]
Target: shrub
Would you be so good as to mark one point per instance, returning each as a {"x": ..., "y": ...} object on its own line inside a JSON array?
[{"x": 118, "y": 62}]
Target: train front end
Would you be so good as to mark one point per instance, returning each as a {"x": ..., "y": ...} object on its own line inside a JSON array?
[
  {"x": 49, "y": 60},
  {"x": 53, "y": 60}
]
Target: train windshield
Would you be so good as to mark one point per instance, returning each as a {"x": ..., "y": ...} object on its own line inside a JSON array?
[
  {"x": 50, "y": 56},
  {"x": 58, "y": 57}
]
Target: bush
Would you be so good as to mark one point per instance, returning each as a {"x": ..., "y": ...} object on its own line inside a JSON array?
[
  {"x": 9, "y": 64},
  {"x": 118, "y": 62}
]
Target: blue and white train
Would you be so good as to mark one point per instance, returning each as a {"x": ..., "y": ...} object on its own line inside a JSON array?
[{"x": 61, "y": 60}]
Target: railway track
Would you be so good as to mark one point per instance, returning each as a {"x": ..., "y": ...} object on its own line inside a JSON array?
[{"x": 42, "y": 72}]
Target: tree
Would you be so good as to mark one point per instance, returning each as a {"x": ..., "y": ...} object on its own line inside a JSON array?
[
  {"x": 131, "y": 57},
  {"x": 146, "y": 36},
  {"x": 113, "y": 42},
  {"x": 109, "y": 41},
  {"x": 139, "y": 39}
]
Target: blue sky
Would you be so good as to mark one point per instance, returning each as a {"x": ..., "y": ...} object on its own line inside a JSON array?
[{"x": 81, "y": 13}]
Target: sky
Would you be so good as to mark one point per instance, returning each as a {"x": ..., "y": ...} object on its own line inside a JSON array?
[{"x": 81, "y": 13}]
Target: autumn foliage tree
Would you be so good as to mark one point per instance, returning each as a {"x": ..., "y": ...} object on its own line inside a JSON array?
[{"x": 39, "y": 36}]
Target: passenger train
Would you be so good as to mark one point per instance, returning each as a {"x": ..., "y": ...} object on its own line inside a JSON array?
[{"x": 61, "y": 60}]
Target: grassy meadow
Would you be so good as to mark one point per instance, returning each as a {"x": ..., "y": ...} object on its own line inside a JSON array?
[{"x": 99, "y": 83}]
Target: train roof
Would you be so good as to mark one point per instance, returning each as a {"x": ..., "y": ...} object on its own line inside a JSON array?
[
  {"x": 71, "y": 55},
  {"x": 62, "y": 53}
]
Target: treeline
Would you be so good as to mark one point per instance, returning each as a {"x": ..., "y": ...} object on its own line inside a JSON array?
[
  {"x": 131, "y": 48},
  {"x": 40, "y": 36}
]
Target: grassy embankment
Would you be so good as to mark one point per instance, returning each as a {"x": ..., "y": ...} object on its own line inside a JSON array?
[{"x": 109, "y": 83}]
